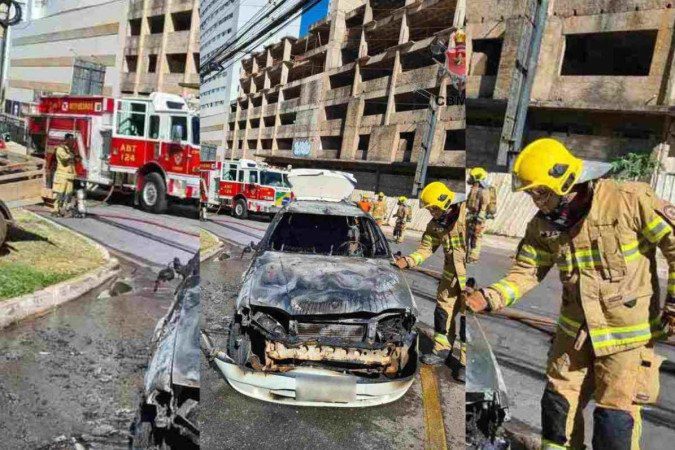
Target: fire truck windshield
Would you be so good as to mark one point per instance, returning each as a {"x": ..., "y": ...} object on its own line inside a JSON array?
[{"x": 274, "y": 179}]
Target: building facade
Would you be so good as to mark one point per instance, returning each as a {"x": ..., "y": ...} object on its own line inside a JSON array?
[
  {"x": 64, "y": 46},
  {"x": 604, "y": 81},
  {"x": 223, "y": 19},
  {"x": 356, "y": 94},
  {"x": 161, "y": 47}
]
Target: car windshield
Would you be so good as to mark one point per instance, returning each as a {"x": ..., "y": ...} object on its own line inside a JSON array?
[
  {"x": 274, "y": 179},
  {"x": 328, "y": 235}
]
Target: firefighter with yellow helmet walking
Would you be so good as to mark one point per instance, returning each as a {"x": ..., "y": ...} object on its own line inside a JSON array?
[
  {"x": 379, "y": 211},
  {"x": 478, "y": 206},
  {"x": 64, "y": 175},
  {"x": 602, "y": 235},
  {"x": 403, "y": 217},
  {"x": 447, "y": 229}
]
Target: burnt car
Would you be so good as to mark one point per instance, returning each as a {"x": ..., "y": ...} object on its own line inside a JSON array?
[
  {"x": 487, "y": 403},
  {"x": 323, "y": 318},
  {"x": 5, "y": 221},
  {"x": 166, "y": 417}
]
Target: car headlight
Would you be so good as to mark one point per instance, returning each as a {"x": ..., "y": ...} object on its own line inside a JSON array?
[
  {"x": 269, "y": 323},
  {"x": 394, "y": 328}
]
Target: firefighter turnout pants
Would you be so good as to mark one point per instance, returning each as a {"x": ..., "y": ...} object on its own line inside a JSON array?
[
  {"x": 619, "y": 383},
  {"x": 399, "y": 230},
  {"x": 63, "y": 189},
  {"x": 476, "y": 239},
  {"x": 448, "y": 306}
]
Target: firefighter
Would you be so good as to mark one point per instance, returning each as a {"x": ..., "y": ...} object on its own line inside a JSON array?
[
  {"x": 365, "y": 203},
  {"x": 476, "y": 211},
  {"x": 403, "y": 216},
  {"x": 64, "y": 175},
  {"x": 602, "y": 235},
  {"x": 380, "y": 209},
  {"x": 446, "y": 229}
]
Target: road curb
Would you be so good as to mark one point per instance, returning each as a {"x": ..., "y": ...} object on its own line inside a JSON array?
[
  {"x": 211, "y": 253},
  {"x": 39, "y": 302}
]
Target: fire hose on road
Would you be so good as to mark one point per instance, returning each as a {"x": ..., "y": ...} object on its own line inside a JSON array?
[{"x": 541, "y": 323}]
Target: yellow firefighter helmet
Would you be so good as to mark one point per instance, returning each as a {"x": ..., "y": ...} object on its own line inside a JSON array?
[
  {"x": 402, "y": 199},
  {"x": 437, "y": 194},
  {"x": 460, "y": 37},
  {"x": 478, "y": 174},
  {"x": 381, "y": 194},
  {"x": 546, "y": 162}
]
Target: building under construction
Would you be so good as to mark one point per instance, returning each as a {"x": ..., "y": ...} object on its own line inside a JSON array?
[
  {"x": 161, "y": 51},
  {"x": 604, "y": 80},
  {"x": 355, "y": 94}
]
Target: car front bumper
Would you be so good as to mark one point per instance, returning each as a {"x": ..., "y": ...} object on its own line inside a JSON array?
[{"x": 313, "y": 387}]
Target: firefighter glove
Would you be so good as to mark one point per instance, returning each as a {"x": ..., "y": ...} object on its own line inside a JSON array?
[
  {"x": 475, "y": 300},
  {"x": 401, "y": 262}
]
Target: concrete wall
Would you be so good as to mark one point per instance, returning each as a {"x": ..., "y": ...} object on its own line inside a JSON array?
[{"x": 44, "y": 49}]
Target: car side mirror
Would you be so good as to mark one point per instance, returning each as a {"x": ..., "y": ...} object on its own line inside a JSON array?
[{"x": 250, "y": 248}]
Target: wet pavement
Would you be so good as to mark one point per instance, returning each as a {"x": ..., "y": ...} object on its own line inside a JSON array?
[
  {"x": 231, "y": 420},
  {"x": 74, "y": 374}
]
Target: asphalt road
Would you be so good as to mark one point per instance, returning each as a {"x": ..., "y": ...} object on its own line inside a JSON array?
[
  {"x": 229, "y": 419},
  {"x": 521, "y": 352},
  {"x": 145, "y": 239}
]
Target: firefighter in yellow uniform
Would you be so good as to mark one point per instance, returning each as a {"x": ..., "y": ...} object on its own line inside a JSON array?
[
  {"x": 403, "y": 216},
  {"x": 476, "y": 215},
  {"x": 379, "y": 211},
  {"x": 602, "y": 235},
  {"x": 446, "y": 229},
  {"x": 64, "y": 175}
]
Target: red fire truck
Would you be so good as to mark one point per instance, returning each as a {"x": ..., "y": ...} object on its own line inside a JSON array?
[
  {"x": 243, "y": 185},
  {"x": 147, "y": 145}
]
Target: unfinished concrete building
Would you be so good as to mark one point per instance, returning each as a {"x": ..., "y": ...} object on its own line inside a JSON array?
[
  {"x": 162, "y": 47},
  {"x": 604, "y": 80},
  {"x": 354, "y": 95}
]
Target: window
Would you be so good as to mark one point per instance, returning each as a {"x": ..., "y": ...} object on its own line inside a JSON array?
[
  {"x": 486, "y": 55},
  {"x": 154, "y": 127},
  {"x": 152, "y": 63},
  {"x": 195, "y": 130},
  {"x": 253, "y": 176},
  {"x": 130, "y": 118},
  {"x": 625, "y": 53},
  {"x": 231, "y": 174},
  {"x": 274, "y": 179},
  {"x": 88, "y": 78},
  {"x": 179, "y": 121}
]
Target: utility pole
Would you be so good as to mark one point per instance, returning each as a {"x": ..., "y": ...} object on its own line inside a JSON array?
[
  {"x": 423, "y": 163},
  {"x": 521, "y": 83}
]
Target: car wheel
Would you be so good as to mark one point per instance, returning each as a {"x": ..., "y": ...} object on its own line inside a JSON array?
[
  {"x": 240, "y": 209},
  {"x": 153, "y": 193},
  {"x": 3, "y": 229},
  {"x": 238, "y": 345}
]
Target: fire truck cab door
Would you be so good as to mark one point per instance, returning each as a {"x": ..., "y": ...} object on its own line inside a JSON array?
[{"x": 251, "y": 183}]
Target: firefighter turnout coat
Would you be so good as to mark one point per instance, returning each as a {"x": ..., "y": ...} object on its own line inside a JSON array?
[{"x": 607, "y": 266}]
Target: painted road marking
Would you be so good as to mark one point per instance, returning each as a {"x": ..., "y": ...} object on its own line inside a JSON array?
[{"x": 433, "y": 414}]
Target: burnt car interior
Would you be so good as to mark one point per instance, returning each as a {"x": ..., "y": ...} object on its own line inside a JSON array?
[{"x": 328, "y": 235}]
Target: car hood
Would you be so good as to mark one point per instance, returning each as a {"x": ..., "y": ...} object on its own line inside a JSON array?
[{"x": 302, "y": 285}]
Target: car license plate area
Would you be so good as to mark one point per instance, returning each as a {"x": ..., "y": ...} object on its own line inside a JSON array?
[{"x": 324, "y": 388}]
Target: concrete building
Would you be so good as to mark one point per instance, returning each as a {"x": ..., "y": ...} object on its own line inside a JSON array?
[
  {"x": 65, "y": 46},
  {"x": 222, "y": 20},
  {"x": 354, "y": 94},
  {"x": 604, "y": 83},
  {"x": 161, "y": 48}
]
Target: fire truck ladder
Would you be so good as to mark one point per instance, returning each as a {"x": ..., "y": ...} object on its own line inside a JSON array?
[{"x": 524, "y": 70}]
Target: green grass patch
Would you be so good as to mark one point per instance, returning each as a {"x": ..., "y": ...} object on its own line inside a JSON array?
[{"x": 39, "y": 254}]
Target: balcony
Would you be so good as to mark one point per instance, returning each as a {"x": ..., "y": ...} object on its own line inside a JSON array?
[
  {"x": 128, "y": 81},
  {"x": 148, "y": 83},
  {"x": 152, "y": 43},
  {"x": 177, "y": 42},
  {"x": 182, "y": 5},
  {"x": 172, "y": 80}
]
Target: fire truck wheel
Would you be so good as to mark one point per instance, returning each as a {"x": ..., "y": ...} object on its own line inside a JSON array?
[
  {"x": 153, "y": 193},
  {"x": 3, "y": 229},
  {"x": 240, "y": 210}
]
